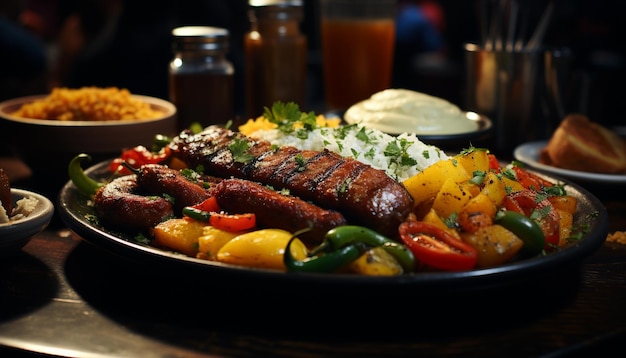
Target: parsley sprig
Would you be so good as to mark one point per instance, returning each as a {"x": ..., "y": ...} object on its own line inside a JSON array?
[
  {"x": 239, "y": 149},
  {"x": 287, "y": 115}
]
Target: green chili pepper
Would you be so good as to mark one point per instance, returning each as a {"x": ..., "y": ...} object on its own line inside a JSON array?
[
  {"x": 326, "y": 262},
  {"x": 197, "y": 214},
  {"x": 84, "y": 183},
  {"x": 341, "y": 236},
  {"x": 525, "y": 228},
  {"x": 160, "y": 141}
]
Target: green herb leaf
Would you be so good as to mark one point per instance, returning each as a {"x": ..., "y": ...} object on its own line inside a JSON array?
[
  {"x": 299, "y": 158},
  {"x": 285, "y": 115},
  {"x": 239, "y": 149}
]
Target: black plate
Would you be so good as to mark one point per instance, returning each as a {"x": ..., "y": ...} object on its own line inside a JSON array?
[{"x": 75, "y": 211}]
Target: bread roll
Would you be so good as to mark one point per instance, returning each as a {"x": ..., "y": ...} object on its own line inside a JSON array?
[{"x": 582, "y": 145}]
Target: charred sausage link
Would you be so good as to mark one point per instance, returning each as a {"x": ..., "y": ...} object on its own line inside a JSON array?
[
  {"x": 156, "y": 179},
  {"x": 138, "y": 202},
  {"x": 6, "y": 200},
  {"x": 120, "y": 204},
  {"x": 276, "y": 210},
  {"x": 364, "y": 195}
]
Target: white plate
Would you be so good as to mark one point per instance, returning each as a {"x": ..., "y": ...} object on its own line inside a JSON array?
[{"x": 529, "y": 154}]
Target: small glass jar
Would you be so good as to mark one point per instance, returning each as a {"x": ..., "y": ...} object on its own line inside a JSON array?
[
  {"x": 201, "y": 81},
  {"x": 275, "y": 52}
]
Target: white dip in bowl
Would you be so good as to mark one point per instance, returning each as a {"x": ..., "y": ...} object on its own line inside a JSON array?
[{"x": 397, "y": 111}]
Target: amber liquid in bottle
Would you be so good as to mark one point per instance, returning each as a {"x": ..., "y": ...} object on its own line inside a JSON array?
[
  {"x": 201, "y": 77},
  {"x": 205, "y": 98},
  {"x": 275, "y": 65}
]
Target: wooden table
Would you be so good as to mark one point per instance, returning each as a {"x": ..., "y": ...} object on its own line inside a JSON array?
[{"x": 63, "y": 296}]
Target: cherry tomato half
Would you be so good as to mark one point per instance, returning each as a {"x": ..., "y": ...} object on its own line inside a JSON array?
[{"x": 437, "y": 248}]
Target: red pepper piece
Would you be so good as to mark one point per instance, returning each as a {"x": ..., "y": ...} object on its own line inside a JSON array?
[
  {"x": 210, "y": 205},
  {"x": 136, "y": 157},
  {"x": 233, "y": 222},
  {"x": 494, "y": 164},
  {"x": 541, "y": 210},
  {"x": 529, "y": 180}
]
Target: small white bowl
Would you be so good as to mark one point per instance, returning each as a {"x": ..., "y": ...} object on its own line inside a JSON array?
[{"x": 15, "y": 234}]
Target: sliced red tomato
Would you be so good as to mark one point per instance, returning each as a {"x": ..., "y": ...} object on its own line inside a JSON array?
[
  {"x": 436, "y": 247},
  {"x": 541, "y": 210},
  {"x": 233, "y": 222}
]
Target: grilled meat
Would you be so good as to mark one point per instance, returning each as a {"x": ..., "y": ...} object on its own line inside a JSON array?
[
  {"x": 158, "y": 179},
  {"x": 5, "y": 192},
  {"x": 121, "y": 205},
  {"x": 276, "y": 210},
  {"x": 138, "y": 201},
  {"x": 364, "y": 195}
]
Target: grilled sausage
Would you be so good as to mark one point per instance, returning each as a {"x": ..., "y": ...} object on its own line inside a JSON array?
[
  {"x": 121, "y": 205},
  {"x": 364, "y": 195},
  {"x": 276, "y": 210},
  {"x": 156, "y": 179},
  {"x": 5, "y": 192}
]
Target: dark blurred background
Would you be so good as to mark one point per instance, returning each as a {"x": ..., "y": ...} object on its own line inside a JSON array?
[{"x": 47, "y": 43}]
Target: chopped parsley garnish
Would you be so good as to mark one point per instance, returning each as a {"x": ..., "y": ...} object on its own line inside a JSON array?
[
  {"x": 167, "y": 197},
  {"x": 239, "y": 149},
  {"x": 556, "y": 190},
  {"x": 509, "y": 173},
  {"x": 343, "y": 187},
  {"x": 142, "y": 239},
  {"x": 478, "y": 176},
  {"x": 302, "y": 133},
  {"x": 342, "y": 131},
  {"x": 472, "y": 149},
  {"x": 192, "y": 175},
  {"x": 397, "y": 151},
  {"x": 362, "y": 136},
  {"x": 540, "y": 213},
  {"x": 300, "y": 161}
]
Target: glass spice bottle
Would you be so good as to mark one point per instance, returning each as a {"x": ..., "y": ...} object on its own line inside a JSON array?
[
  {"x": 275, "y": 55},
  {"x": 201, "y": 81}
]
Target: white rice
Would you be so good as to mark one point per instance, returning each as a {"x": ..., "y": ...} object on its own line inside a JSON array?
[
  {"x": 4, "y": 218},
  {"x": 369, "y": 146},
  {"x": 23, "y": 208}
]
